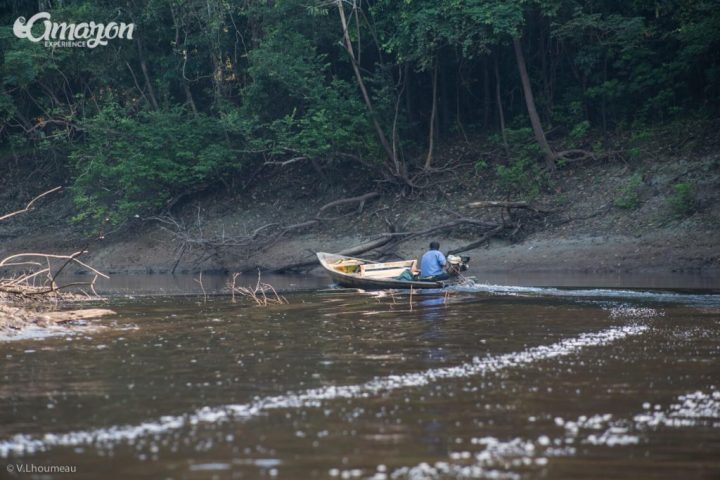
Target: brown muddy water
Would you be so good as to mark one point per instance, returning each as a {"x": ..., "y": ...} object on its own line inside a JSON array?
[{"x": 485, "y": 381}]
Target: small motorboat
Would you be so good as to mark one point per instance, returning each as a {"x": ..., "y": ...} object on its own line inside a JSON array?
[{"x": 358, "y": 273}]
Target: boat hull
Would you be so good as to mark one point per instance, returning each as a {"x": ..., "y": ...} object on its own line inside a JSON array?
[{"x": 356, "y": 281}]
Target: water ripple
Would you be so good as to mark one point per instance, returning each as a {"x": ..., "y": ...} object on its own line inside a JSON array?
[{"x": 23, "y": 444}]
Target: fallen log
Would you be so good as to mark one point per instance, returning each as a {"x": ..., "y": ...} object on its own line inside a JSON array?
[
  {"x": 262, "y": 238},
  {"x": 355, "y": 250},
  {"x": 494, "y": 203},
  {"x": 367, "y": 246},
  {"x": 393, "y": 238},
  {"x": 15, "y": 318},
  {"x": 479, "y": 242},
  {"x": 70, "y": 315},
  {"x": 404, "y": 236},
  {"x": 507, "y": 204}
]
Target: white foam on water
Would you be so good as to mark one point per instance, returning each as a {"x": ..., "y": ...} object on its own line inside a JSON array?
[
  {"x": 424, "y": 471},
  {"x": 23, "y": 444},
  {"x": 626, "y": 311},
  {"x": 657, "y": 296},
  {"x": 36, "y": 333},
  {"x": 693, "y": 409},
  {"x": 499, "y": 457},
  {"x": 207, "y": 467}
]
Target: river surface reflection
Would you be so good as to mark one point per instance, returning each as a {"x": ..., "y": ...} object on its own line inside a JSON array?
[{"x": 477, "y": 382}]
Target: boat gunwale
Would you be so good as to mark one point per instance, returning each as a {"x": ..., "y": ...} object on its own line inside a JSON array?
[{"x": 356, "y": 280}]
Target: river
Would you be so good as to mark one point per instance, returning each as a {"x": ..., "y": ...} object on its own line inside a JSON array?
[{"x": 607, "y": 381}]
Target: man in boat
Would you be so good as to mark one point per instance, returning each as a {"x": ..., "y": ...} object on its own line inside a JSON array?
[{"x": 433, "y": 264}]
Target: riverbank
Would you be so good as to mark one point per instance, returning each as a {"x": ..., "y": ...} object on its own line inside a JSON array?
[{"x": 596, "y": 216}]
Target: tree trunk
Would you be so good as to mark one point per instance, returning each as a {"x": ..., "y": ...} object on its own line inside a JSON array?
[
  {"x": 443, "y": 118},
  {"x": 433, "y": 120},
  {"x": 408, "y": 93},
  {"x": 146, "y": 75},
  {"x": 486, "y": 94},
  {"x": 544, "y": 41},
  {"x": 189, "y": 97},
  {"x": 458, "y": 110},
  {"x": 501, "y": 115},
  {"x": 368, "y": 103},
  {"x": 532, "y": 111}
]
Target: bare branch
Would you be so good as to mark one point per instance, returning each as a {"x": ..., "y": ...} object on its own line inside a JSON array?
[
  {"x": 6, "y": 262},
  {"x": 509, "y": 204},
  {"x": 286, "y": 162},
  {"x": 258, "y": 293},
  {"x": 30, "y": 205}
]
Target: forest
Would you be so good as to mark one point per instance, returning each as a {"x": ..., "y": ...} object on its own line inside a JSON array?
[{"x": 207, "y": 92}]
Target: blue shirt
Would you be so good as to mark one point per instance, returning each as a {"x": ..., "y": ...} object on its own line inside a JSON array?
[{"x": 432, "y": 263}]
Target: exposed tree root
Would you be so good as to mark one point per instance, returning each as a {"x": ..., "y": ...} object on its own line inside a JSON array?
[{"x": 262, "y": 238}]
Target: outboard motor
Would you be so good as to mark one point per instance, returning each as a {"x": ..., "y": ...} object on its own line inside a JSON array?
[{"x": 457, "y": 264}]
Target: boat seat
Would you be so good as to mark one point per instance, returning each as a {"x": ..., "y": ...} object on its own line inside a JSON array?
[
  {"x": 387, "y": 273},
  {"x": 388, "y": 269},
  {"x": 345, "y": 263},
  {"x": 383, "y": 266}
]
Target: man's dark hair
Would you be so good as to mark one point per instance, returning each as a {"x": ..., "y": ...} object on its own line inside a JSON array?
[{"x": 434, "y": 246}]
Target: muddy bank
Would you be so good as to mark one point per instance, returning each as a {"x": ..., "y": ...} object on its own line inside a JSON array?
[
  {"x": 587, "y": 224},
  {"x": 658, "y": 252},
  {"x": 662, "y": 251}
]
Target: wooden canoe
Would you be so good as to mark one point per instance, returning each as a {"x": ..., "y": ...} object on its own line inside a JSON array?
[{"x": 358, "y": 273}]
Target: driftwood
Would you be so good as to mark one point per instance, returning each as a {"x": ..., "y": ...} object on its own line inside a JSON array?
[
  {"x": 265, "y": 236},
  {"x": 23, "y": 284},
  {"x": 478, "y": 243},
  {"x": 499, "y": 204},
  {"x": 508, "y": 205},
  {"x": 387, "y": 241},
  {"x": 35, "y": 282},
  {"x": 367, "y": 246},
  {"x": 72, "y": 315},
  {"x": 191, "y": 237},
  {"x": 352, "y": 251},
  {"x": 392, "y": 239},
  {"x": 14, "y": 318}
]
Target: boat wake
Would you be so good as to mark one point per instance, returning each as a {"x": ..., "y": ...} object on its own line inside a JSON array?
[
  {"x": 709, "y": 299},
  {"x": 23, "y": 444}
]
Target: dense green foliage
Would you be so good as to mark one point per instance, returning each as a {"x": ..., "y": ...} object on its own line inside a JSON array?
[
  {"x": 208, "y": 91},
  {"x": 149, "y": 157},
  {"x": 629, "y": 195},
  {"x": 682, "y": 201},
  {"x": 522, "y": 175}
]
